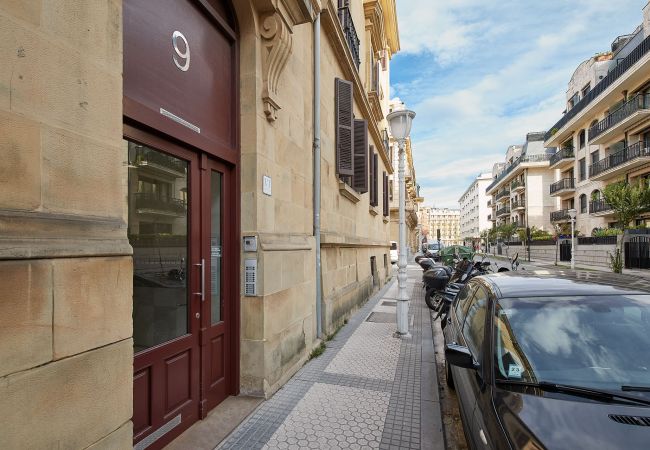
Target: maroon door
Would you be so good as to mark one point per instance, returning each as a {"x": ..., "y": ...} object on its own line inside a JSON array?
[
  {"x": 164, "y": 218},
  {"x": 182, "y": 134},
  {"x": 217, "y": 250}
]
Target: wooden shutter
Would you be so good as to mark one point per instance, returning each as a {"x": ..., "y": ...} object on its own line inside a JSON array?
[
  {"x": 344, "y": 126},
  {"x": 371, "y": 174},
  {"x": 375, "y": 178},
  {"x": 385, "y": 189},
  {"x": 360, "y": 147}
]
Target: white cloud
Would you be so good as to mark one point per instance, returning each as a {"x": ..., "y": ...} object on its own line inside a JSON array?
[{"x": 482, "y": 74}]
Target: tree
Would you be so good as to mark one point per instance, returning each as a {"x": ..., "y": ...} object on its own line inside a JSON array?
[
  {"x": 507, "y": 230},
  {"x": 627, "y": 200}
]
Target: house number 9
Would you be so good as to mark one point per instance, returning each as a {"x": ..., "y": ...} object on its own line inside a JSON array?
[{"x": 184, "y": 56}]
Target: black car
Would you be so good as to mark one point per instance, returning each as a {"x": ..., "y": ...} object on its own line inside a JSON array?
[{"x": 552, "y": 360}]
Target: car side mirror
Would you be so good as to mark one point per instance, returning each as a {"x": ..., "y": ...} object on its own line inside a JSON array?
[{"x": 460, "y": 356}]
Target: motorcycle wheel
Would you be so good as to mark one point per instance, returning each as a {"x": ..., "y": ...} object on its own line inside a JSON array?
[{"x": 429, "y": 299}]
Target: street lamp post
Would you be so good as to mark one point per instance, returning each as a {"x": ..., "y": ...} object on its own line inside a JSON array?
[
  {"x": 572, "y": 215},
  {"x": 400, "y": 122}
]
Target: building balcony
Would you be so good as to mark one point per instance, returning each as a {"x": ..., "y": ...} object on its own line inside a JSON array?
[
  {"x": 502, "y": 194},
  {"x": 350, "y": 33},
  {"x": 524, "y": 161},
  {"x": 517, "y": 186},
  {"x": 160, "y": 162},
  {"x": 600, "y": 208},
  {"x": 621, "y": 161},
  {"x": 516, "y": 205},
  {"x": 505, "y": 211},
  {"x": 628, "y": 73},
  {"x": 560, "y": 216},
  {"x": 562, "y": 159},
  {"x": 492, "y": 218},
  {"x": 563, "y": 187},
  {"x": 631, "y": 112},
  {"x": 147, "y": 203}
]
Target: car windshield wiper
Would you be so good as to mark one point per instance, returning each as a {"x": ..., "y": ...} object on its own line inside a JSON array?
[
  {"x": 636, "y": 388},
  {"x": 577, "y": 390}
]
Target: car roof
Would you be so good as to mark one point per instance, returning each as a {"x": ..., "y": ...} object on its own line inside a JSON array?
[{"x": 557, "y": 283}]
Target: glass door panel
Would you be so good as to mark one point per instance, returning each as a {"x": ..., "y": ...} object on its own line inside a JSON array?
[
  {"x": 158, "y": 233},
  {"x": 215, "y": 245}
]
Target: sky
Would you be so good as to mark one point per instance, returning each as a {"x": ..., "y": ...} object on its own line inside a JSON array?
[{"x": 480, "y": 74}]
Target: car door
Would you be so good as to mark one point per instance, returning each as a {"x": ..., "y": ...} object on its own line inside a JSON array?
[
  {"x": 473, "y": 334},
  {"x": 453, "y": 334}
]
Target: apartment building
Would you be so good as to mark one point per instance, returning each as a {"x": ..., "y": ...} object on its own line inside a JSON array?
[
  {"x": 444, "y": 219},
  {"x": 413, "y": 198},
  {"x": 604, "y": 134},
  {"x": 475, "y": 209},
  {"x": 519, "y": 187},
  {"x": 161, "y": 249}
]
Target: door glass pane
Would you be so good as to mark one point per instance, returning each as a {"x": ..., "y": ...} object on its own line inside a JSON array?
[
  {"x": 158, "y": 225},
  {"x": 215, "y": 246}
]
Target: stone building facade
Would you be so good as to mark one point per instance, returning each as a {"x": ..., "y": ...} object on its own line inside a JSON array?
[
  {"x": 604, "y": 134},
  {"x": 518, "y": 190},
  {"x": 157, "y": 204},
  {"x": 474, "y": 209},
  {"x": 446, "y": 220}
]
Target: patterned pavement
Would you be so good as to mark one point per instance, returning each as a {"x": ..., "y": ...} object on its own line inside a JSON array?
[{"x": 367, "y": 390}]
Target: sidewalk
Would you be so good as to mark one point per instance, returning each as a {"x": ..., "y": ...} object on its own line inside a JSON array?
[
  {"x": 367, "y": 390},
  {"x": 564, "y": 265}
]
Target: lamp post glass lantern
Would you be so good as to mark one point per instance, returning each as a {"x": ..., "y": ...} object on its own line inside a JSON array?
[
  {"x": 572, "y": 215},
  {"x": 400, "y": 122}
]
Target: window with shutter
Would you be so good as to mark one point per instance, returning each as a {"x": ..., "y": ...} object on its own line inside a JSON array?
[
  {"x": 375, "y": 178},
  {"x": 371, "y": 175},
  {"x": 360, "y": 150},
  {"x": 344, "y": 128},
  {"x": 385, "y": 189}
]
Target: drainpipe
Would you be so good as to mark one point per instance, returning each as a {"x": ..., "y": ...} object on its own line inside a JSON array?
[{"x": 316, "y": 188}]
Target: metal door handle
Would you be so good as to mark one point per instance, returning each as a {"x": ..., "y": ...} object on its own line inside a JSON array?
[{"x": 202, "y": 293}]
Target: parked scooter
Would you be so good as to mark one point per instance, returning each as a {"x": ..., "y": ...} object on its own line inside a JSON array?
[{"x": 444, "y": 282}]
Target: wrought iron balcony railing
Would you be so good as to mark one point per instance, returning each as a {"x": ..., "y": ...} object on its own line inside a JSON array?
[
  {"x": 159, "y": 203},
  {"x": 518, "y": 204},
  {"x": 600, "y": 205},
  {"x": 517, "y": 184},
  {"x": 350, "y": 33},
  {"x": 503, "y": 193},
  {"x": 522, "y": 159},
  {"x": 637, "y": 150},
  {"x": 563, "y": 153},
  {"x": 607, "y": 81},
  {"x": 565, "y": 183},
  {"x": 636, "y": 103},
  {"x": 145, "y": 156},
  {"x": 561, "y": 215},
  {"x": 503, "y": 211}
]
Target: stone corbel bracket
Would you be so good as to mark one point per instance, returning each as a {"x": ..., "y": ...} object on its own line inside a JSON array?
[{"x": 276, "y": 45}]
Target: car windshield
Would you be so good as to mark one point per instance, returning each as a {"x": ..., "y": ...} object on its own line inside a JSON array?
[
  {"x": 599, "y": 342},
  {"x": 434, "y": 247},
  {"x": 393, "y": 246}
]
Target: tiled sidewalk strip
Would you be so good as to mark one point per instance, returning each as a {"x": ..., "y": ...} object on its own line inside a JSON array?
[{"x": 364, "y": 391}]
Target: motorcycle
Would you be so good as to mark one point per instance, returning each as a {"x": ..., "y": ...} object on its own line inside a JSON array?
[
  {"x": 443, "y": 283},
  {"x": 514, "y": 264}
]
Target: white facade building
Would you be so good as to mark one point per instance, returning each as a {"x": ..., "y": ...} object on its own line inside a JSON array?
[{"x": 474, "y": 208}]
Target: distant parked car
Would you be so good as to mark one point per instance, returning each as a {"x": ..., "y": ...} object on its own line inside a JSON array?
[
  {"x": 394, "y": 256},
  {"x": 551, "y": 360},
  {"x": 433, "y": 250}
]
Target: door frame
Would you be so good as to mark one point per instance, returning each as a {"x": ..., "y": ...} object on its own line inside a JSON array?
[
  {"x": 230, "y": 242},
  {"x": 140, "y": 124}
]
